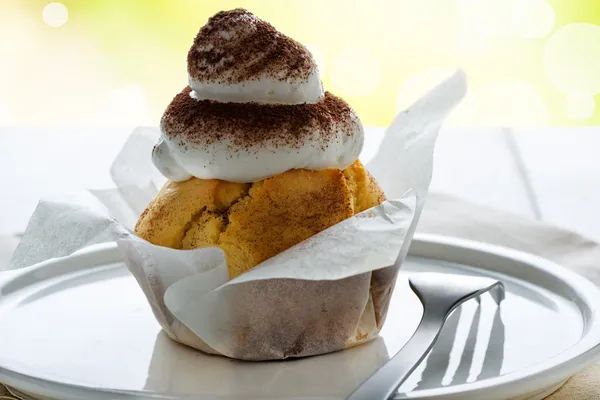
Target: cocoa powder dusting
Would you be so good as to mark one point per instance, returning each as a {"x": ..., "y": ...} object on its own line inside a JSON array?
[
  {"x": 236, "y": 46},
  {"x": 247, "y": 125}
]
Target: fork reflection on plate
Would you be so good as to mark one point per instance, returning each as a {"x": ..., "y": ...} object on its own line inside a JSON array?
[{"x": 440, "y": 294}]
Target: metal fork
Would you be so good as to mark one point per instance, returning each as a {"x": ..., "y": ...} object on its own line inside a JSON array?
[{"x": 440, "y": 294}]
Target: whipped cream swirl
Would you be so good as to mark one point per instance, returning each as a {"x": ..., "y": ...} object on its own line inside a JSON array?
[
  {"x": 254, "y": 108},
  {"x": 236, "y": 57}
]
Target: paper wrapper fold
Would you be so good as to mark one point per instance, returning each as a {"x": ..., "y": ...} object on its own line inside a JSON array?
[{"x": 327, "y": 293}]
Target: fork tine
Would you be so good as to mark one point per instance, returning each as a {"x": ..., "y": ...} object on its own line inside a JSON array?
[
  {"x": 466, "y": 358},
  {"x": 492, "y": 366},
  {"x": 498, "y": 293},
  {"x": 440, "y": 353}
]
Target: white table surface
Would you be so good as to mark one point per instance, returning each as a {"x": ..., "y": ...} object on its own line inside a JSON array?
[{"x": 552, "y": 175}]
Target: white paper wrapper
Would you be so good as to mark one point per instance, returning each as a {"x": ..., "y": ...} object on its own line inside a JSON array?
[{"x": 327, "y": 293}]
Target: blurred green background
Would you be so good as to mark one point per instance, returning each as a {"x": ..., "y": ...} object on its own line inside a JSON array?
[{"x": 119, "y": 62}]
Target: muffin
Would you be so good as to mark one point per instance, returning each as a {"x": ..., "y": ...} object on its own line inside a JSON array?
[{"x": 258, "y": 156}]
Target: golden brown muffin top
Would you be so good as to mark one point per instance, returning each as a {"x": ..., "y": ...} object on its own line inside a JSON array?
[{"x": 252, "y": 222}]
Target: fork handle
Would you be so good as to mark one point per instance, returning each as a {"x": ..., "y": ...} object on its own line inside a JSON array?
[{"x": 386, "y": 380}]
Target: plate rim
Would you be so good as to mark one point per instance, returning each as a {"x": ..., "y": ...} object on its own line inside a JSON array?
[
  {"x": 563, "y": 365},
  {"x": 552, "y": 371}
]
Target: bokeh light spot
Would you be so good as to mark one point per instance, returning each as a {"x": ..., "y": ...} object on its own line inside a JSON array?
[
  {"x": 470, "y": 44},
  {"x": 55, "y": 14},
  {"x": 510, "y": 103},
  {"x": 418, "y": 85},
  {"x": 579, "y": 106},
  {"x": 355, "y": 72},
  {"x": 533, "y": 19},
  {"x": 320, "y": 58},
  {"x": 495, "y": 18},
  {"x": 125, "y": 105},
  {"x": 486, "y": 17},
  {"x": 572, "y": 58}
]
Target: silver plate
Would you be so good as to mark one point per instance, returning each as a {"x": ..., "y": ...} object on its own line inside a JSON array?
[{"x": 80, "y": 327}]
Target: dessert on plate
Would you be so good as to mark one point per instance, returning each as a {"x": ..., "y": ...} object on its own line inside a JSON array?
[
  {"x": 269, "y": 240},
  {"x": 258, "y": 156},
  {"x": 258, "y": 159}
]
